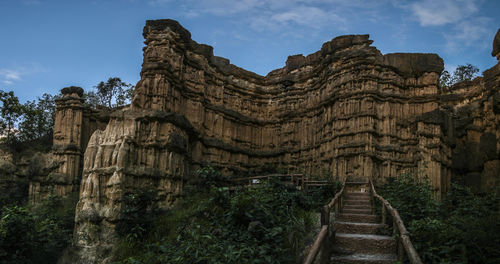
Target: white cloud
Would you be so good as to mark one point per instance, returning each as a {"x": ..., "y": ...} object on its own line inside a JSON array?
[
  {"x": 468, "y": 33},
  {"x": 442, "y": 12},
  {"x": 278, "y": 15},
  {"x": 9, "y": 76}
]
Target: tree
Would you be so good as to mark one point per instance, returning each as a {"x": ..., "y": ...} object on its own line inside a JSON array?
[
  {"x": 462, "y": 73},
  {"x": 112, "y": 90},
  {"x": 9, "y": 113},
  {"x": 37, "y": 119}
]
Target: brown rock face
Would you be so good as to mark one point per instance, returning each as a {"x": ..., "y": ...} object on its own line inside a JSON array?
[
  {"x": 73, "y": 125},
  {"x": 496, "y": 45},
  {"x": 344, "y": 110}
]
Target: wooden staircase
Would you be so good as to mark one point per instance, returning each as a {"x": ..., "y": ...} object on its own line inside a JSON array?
[{"x": 357, "y": 238}]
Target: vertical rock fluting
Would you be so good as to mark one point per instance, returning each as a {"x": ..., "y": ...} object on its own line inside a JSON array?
[
  {"x": 59, "y": 171},
  {"x": 139, "y": 149},
  {"x": 66, "y": 151},
  {"x": 344, "y": 110},
  {"x": 475, "y": 111}
]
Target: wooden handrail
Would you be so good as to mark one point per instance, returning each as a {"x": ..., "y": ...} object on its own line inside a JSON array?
[
  {"x": 317, "y": 245},
  {"x": 397, "y": 223},
  {"x": 322, "y": 240}
]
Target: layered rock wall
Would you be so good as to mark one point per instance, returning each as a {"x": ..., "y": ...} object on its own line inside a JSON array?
[
  {"x": 475, "y": 110},
  {"x": 346, "y": 110},
  {"x": 73, "y": 125}
]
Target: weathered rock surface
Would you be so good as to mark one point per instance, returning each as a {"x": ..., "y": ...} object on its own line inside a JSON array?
[
  {"x": 73, "y": 125},
  {"x": 475, "y": 132},
  {"x": 344, "y": 110},
  {"x": 496, "y": 45}
]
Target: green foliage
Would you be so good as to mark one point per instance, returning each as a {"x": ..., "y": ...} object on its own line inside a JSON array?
[
  {"x": 412, "y": 197},
  {"x": 137, "y": 215},
  {"x": 27, "y": 125},
  {"x": 38, "y": 235},
  {"x": 9, "y": 113},
  {"x": 462, "y": 73},
  {"x": 463, "y": 228},
  {"x": 265, "y": 224},
  {"x": 37, "y": 121},
  {"x": 209, "y": 177},
  {"x": 113, "y": 90},
  {"x": 15, "y": 193}
]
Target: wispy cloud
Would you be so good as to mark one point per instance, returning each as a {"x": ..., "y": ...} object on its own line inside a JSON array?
[
  {"x": 9, "y": 76},
  {"x": 442, "y": 12},
  {"x": 468, "y": 33},
  {"x": 278, "y": 16}
]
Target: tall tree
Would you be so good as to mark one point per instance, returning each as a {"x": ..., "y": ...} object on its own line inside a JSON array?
[
  {"x": 37, "y": 119},
  {"x": 462, "y": 73},
  {"x": 112, "y": 90},
  {"x": 10, "y": 111}
]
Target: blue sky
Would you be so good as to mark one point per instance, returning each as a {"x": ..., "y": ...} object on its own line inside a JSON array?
[{"x": 50, "y": 44}]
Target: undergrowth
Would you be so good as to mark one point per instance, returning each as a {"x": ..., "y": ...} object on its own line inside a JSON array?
[
  {"x": 463, "y": 228},
  {"x": 210, "y": 224},
  {"x": 36, "y": 234}
]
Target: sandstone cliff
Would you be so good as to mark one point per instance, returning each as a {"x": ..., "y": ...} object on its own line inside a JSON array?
[{"x": 344, "y": 110}]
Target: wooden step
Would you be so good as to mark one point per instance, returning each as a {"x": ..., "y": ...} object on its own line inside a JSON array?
[
  {"x": 356, "y": 211},
  {"x": 356, "y": 202},
  {"x": 357, "y": 218},
  {"x": 357, "y": 206},
  {"x": 364, "y": 244},
  {"x": 357, "y": 228},
  {"x": 358, "y": 194},
  {"x": 364, "y": 259}
]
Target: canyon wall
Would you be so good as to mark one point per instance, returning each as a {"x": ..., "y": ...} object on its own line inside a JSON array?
[
  {"x": 344, "y": 111},
  {"x": 60, "y": 170}
]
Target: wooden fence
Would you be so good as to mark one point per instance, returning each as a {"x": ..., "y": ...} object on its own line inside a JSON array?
[
  {"x": 398, "y": 228},
  {"x": 299, "y": 180}
]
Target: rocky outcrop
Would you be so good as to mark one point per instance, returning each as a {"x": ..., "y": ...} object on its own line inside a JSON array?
[
  {"x": 475, "y": 110},
  {"x": 344, "y": 110},
  {"x": 73, "y": 125},
  {"x": 496, "y": 46}
]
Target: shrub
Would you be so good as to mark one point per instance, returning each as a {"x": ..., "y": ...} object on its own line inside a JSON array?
[
  {"x": 463, "y": 228},
  {"x": 38, "y": 235},
  {"x": 267, "y": 224}
]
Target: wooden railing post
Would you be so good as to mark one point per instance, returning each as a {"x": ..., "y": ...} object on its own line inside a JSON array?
[
  {"x": 325, "y": 246},
  {"x": 383, "y": 214},
  {"x": 400, "y": 248}
]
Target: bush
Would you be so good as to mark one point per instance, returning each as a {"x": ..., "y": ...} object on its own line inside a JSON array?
[
  {"x": 268, "y": 224},
  {"x": 38, "y": 235},
  {"x": 137, "y": 215},
  {"x": 463, "y": 228}
]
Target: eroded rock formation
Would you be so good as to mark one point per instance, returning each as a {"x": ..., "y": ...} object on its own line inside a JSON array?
[
  {"x": 73, "y": 125},
  {"x": 344, "y": 110}
]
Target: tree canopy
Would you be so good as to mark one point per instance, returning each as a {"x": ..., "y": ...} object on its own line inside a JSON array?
[
  {"x": 112, "y": 93},
  {"x": 462, "y": 73}
]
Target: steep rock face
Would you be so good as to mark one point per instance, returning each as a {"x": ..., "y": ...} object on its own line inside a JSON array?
[
  {"x": 475, "y": 110},
  {"x": 138, "y": 149},
  {"x": 344, "y": 110},
  {"x": 73, "y": 125}
]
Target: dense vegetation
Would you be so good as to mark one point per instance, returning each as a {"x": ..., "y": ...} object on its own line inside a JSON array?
[
  {"x": 463, "y": 228},
  {"x": 30, "y": 125},
  {"x": 36, "y": 234},
  {"x": 211, "y": 224}
]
